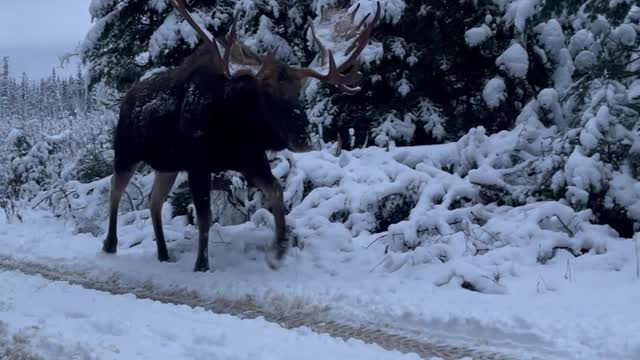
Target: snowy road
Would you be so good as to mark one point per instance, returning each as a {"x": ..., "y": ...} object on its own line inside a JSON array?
[
  {"x": 567, "y": 309},
  {"x": 66, "y": 321},
  {"x": 112, "y": 319}
]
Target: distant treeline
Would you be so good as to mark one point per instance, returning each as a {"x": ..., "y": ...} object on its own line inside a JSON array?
[{"x": 54, "y": 97}]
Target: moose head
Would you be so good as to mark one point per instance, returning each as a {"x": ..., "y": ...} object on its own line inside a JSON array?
[{"x": 282, "y": 81}]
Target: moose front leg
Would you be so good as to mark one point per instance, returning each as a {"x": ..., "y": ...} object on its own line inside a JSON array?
[
  {"x": 119, "y": 182},
  {"x": 200, "y": 183},
  {"x": 271, "y": 188},
  {"x": 162, "y": 184}
]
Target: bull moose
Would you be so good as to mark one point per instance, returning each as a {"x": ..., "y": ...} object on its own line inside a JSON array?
[{"x": 201, "y": 117}]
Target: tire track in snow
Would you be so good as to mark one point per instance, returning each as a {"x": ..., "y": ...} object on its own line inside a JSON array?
[{"x": 287, "y": 314}]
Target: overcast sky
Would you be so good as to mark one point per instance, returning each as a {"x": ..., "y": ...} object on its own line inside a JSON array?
[{"x": 34, "y": 33}]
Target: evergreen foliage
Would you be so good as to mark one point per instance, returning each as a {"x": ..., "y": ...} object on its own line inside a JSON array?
[{"x": 562, "y": 75}]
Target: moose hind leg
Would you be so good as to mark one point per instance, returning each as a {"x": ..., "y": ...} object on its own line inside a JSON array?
[
  {"x": 119, "y": 182},
  {"x": 271, "y": 188},
  {"x": 162, "y": 184},
  {"x": 200, "y": 184}
]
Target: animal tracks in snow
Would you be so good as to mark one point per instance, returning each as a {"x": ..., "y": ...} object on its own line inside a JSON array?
[{"x": 284, "y": 312}]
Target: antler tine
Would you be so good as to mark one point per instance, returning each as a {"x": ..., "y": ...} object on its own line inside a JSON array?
[
  {"x": 333, "y": 76},
  {"x": 349, "y": 90},
  {"x": 357, "y": 41},
  {"x": 363, "y": 21},
  {"x": 322, "y": 48},
  {"x": 229, "y": 40},
  {"x": 347, "y": 74},
  {"x": 353, "y": 76},
  {"x": 354, "y": 12},
  {"x": 361, "y": 41},
  {"x": 267, "y": 62},
  {"x": 182, "y": 9}
]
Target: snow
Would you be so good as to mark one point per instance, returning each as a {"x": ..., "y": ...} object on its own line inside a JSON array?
[
  {"x": 634, "y": 12},
  {"x": 581, "y": 40},
  {"x": 594, "y": 127},
  {"x": 397, "y": 48},
  {"x": 600, "y": 26},
  {"x": 551, "y": 37},
  {"x": 584, "y": 60},
  {"x": 393, "y": 129},
  {"x": 518, "y": 11},
  {"x": 392, "y": 10},
  {"x": 432, "y": 118},
  {"x": 583, "y": 172},
  {"x": 65, "y": 321},
  {"x": 532, "y": 295},
  {"x": 494, "y": 92},
  {"x": 266, "y": 38},
  {"x": 548, "y": 103},
  {"x": 626, "y": 34},
  {"x": 547, "y": 98},
  {"x": 159, "y": 5},
  {"x": 12, "y": 137},
  {"x": 404, "y": 87},
  {"x": 634, "y": 90},
  {"x": 477, "y": 35},
  {"x": 564, "y": 69},
  {"x": 625, "y": 191},
  {"x": 93, "y": 35},
  {"x": 515, "y": 61},
  {"x": 456, "y": 242},
  {"x": 614, "y": 3},
  {"x": 173, "y": 29},
  {"x": 98, "y": 7}
]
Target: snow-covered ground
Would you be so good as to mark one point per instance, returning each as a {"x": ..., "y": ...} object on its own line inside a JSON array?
[
  {"x": 60, "y": 321},
  {"x": 569, "y": 308}
]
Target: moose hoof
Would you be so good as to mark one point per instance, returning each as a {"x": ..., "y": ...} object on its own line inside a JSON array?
[
  {"x": 163, "y": 257},
  {"x": 202, "y": 265},
  {"x": 109, "y": 247},
  {"x": 276, "y": 254}
]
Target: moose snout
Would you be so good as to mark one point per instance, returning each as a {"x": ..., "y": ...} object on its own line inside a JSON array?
[{"x": 302, "y": 144}]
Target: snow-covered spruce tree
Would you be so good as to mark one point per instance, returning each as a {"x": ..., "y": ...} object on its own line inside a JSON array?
[
  {"x": 433, "y": 69},
  {"x": 579, "y": 135},
  {"x": 131, "y": 37},
  {"x": 428, "y": 83},
  {"x": 425, "y": 68},
  {"x": 470, "y": 63},
  {"x": 44, "y": 127},
  {"x": 4, "y": 88}
]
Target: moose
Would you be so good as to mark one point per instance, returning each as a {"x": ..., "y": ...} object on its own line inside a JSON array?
[{"x": 203, "y": 117}]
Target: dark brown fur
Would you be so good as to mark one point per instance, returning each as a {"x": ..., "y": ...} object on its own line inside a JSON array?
[{"x": 193, "y": 118}]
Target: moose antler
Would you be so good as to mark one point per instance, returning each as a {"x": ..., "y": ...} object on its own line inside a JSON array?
[
  {"x": 336, "y": 75},
  {"x": 229, "y": 39},
  {"x": 345, "y": 76}
]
